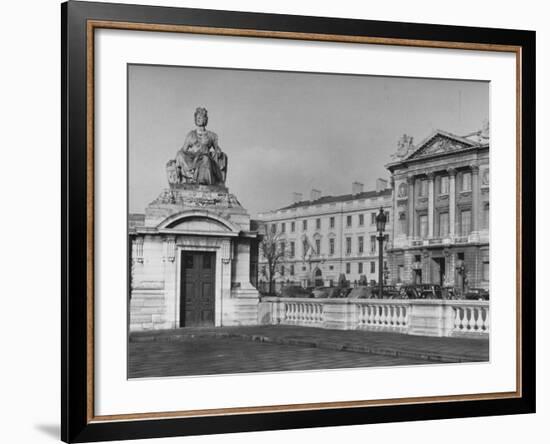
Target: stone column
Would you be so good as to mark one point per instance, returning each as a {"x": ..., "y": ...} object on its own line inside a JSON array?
[
  {"x": 452, "y": 201},
  {"x": 475, "y": 199},
  {"x": 431, "y": 205},
  {"x": 410, "y": 203}
]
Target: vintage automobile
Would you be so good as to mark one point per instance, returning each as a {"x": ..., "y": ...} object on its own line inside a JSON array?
[
  {"x": 477, "y": 294},
  {"x": 421, "y": 291}
]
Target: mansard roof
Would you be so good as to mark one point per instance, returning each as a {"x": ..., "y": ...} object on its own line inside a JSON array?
[{"x": 339, "y": 198}]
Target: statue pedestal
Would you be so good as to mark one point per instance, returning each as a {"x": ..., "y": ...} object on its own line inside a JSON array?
[{"x": 202, "y": 221}]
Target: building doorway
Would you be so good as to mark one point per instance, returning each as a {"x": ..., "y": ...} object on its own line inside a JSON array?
[
  {"x": 318, "y": 277},
  {"x": 438, "y": 270},
  {"x": 197, "y": 289}
]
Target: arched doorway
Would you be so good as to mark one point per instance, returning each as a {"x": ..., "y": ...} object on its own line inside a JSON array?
[{"x": 318, "y": 277}]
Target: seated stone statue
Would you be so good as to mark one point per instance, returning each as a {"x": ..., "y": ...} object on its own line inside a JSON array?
[{"x": 200, "y": 160}]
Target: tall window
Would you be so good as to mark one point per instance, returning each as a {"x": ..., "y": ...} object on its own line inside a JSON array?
[
  {"x": 387, "y": 214},
  {"x": 283, "y": 227},
  {"x": 292, "y": 249},
  {"x": 423, "y": 225},
  {"x": 332, "y": 222},
  {"x": 360, "y": 244},
  {"x": 291, "y": 270},
  {"x": 465, "y": 222},
  {"x": 486, "y": 216},
  {"x": 443, "y": 224},
  {"x": 293, "y": 226},
  {"x": 304, "y": 224},
  {"x": 331, "y": 246},
  {"x": 348, "y": 245},
  {"x": 466, "y": 181},
  {"x": 318, "y": 224},
  {"x": 423, "y": 188},
  {"x": 318, "y": 246},
  {"x": 373, "y": 218},
  {"x": 361, "y": 220},
  {"x": 373, "y": 244},
  {"x": 444, "y": 185},
  {"x": 305, "y": 246},
  {"x": 400, "y": 273},
  {"x": 373, "y": 267},
  {"x": 360, "y": 268},
  {"x": 273, "y": 228},
  {"x": 282, "y": 248},
  {"x": 348, "y": 221},
  {"x": 348, "y": 268},
  {"x": 403, "y": 223}
]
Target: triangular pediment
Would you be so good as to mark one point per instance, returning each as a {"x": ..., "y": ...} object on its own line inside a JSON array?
[{"x": 440, "y": 143}]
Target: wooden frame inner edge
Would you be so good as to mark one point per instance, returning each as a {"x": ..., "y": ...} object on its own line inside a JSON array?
[{"x": 90, "y": 28}]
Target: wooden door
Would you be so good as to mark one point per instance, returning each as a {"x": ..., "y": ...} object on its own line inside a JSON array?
[{"x": 197, "y": 289}]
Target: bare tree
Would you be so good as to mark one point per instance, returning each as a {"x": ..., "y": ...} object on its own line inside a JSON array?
[{"x": 273, "y": 249}]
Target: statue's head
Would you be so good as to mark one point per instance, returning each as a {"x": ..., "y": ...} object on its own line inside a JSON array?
[{"x": 201, "y": 116}]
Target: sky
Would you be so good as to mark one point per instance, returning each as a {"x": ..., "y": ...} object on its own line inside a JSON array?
[{"x": 288, "y": 132}]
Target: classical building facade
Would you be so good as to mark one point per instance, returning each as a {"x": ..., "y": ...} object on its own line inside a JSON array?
[
  {"x": 327, "y": 236},
  {"x": 441, "y": 211}
]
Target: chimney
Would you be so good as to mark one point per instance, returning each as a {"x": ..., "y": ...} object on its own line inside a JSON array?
[
  {"x": 356, "y": 187},
  {"x": 297, "y": 197},
  {"x": 381, "y": 184},
  {"x": 315, "y": 194}
]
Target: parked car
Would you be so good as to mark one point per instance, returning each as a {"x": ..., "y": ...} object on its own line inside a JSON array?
[
  {"x": 477, "y": 294},
  {"x": 421, "y": 291}
]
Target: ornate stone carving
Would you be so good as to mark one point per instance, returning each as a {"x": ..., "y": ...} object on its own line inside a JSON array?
[
  {"x": 451, "y": 171},
  {"x": 200, "y": 160},
  {"x": 402, "y": 190},
  {"x": 404, "y": 147}
]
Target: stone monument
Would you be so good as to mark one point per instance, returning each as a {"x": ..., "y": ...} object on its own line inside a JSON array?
[{"x": 191, "y": 260}]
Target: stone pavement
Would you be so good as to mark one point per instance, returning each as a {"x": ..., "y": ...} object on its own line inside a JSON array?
[
  {"x": 216, "y": 356},
  {"x": 406, "y": 349}
]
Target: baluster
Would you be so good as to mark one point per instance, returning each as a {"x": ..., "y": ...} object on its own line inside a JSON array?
[
  {"x": 469, "y": 319},
  {"x": 479, "y": 320}
]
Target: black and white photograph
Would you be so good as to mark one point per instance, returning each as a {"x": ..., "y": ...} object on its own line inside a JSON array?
[{"x": 297, "y": 221}]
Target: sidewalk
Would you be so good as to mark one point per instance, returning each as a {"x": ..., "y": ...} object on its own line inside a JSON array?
[{"x": 378, "y": 343}]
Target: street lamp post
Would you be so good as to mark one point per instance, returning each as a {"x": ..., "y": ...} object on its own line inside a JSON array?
[{"x": 380, "y": 226}]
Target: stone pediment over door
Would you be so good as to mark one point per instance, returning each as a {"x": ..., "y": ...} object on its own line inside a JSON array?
[{"x": 440, "y": 143}]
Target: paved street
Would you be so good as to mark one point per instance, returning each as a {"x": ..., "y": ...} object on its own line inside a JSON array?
[
  {"x": 204, "y": 356},
  {"x": 202, "y": 351}
]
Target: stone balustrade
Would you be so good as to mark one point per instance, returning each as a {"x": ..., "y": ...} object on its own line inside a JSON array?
[{"x": 426, "y": 317}]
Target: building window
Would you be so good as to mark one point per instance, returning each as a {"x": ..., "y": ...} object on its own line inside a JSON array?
[
  {"x": 444, "y": 185},
  {"x": 331, "y": 246},
  {"x": 292, "y": 270},
  {"x": 386, "y": 241},
  {"x": 318, "y": 246},
  {"x": 373, "y": 218},
  {"x": 292, "y": 249},
  {"x": 423, "y": 188},
  {"x": 273, "y": 228},
  {"x": 373, "y": 244},
  {"x": 305, "y": 246},
  {"x": 282, "y": 248},
  {"x": 304, "y": 224},
  {"x": 318, "y": 224},
  {"x": 348, "y": 245},
  {"x": 465, "y": 222},
  {"x": 486, "y": 216},
  {"x": 283, "y": 227},
  {"x": 443, "y": 224},
  {"x": 403, "y": 223},
  {"x": 348, "y": 268},
  {"x": 423, "y": 225},
  {"x": 332, "y": 222},
  {"x": 486, "y": 275},
  {"x": 466, "y": 181},
  {"x": 293, "y": 226},
  {"x": 373, "y": 267},
  {"x": 400, "y": 270},
  {"x": 348, "y": 221},
  {"x": 282, "y": 270},
  {"x": 361, "y": 220},
  {"x": 360, "y": 268},
  {"x": 387, "y": 214},
  {"x": 360, "y": 244}
]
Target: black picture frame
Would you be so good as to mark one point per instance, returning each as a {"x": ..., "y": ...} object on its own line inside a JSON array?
[{"x": 77, "y": 424}]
